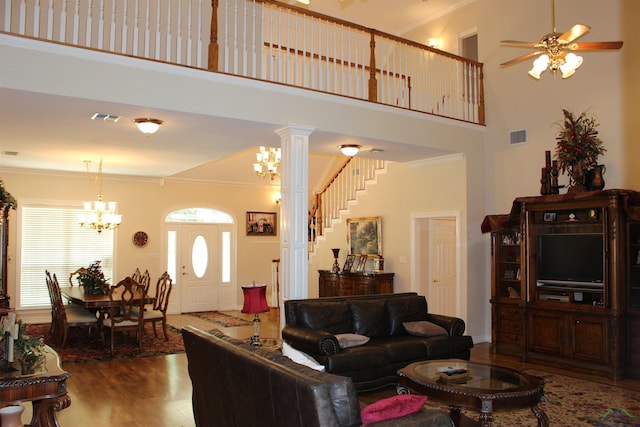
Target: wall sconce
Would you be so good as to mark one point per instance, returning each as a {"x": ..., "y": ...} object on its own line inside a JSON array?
[
  {"x": 434, "y": 43},
  {"x": 148, "y": 125},
  {"x": 349, "y": 149},
  {"x": 277, "y": 198}
]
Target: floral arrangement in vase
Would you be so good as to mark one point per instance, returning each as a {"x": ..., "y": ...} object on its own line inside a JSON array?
[
  {"x": 28, "y": 350},
  {"x": 93, "y": 280},
  {"x": 6, "y": 198},
  {"x": 578, "y": 147}
]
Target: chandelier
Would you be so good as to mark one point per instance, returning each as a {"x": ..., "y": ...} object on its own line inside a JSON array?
[
  {"x": 99, "y": 215},
  {"x": 267, "y": 162}
]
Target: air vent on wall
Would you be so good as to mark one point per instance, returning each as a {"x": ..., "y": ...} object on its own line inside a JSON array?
[
  {"x": 518, "y": 136},
  {"x": 106, "y": 117}
]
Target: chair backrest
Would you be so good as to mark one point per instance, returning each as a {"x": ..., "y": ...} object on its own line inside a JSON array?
[
  {"x": 126, "y": 301},
  {"x": 57, "y": 304},
  {"x": 136, "y": 274},
  {"x": 76, "y": 275},
  {"x": 163, "y": 291},
  {"x": 145, "y": 281}
]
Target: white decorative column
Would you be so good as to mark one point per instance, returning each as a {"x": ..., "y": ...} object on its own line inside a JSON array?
[{"x": 294, "y": 209}]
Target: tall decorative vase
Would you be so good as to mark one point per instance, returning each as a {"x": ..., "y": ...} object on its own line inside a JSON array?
[
  {"x": 336, "y": 266},
  {"x": 595, "y": 181},
  {"x": 11, "y": 416}
]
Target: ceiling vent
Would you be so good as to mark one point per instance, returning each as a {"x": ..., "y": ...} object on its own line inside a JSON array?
[
  {"x": 106, "y": 117},
  {"x": 518, "y": 136}
]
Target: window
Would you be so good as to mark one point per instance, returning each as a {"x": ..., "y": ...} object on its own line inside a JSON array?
[{"x": 52, "y": 239}]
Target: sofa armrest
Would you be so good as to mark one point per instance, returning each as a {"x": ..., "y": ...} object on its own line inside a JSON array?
[
  {"x": 310, "y": 341},
  {"x": 453, "y": 325}
]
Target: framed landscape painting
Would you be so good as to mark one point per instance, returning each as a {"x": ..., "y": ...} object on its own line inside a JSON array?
[
  {"x": 365, "y": 236},
  {"x": 261, "y": 223}
]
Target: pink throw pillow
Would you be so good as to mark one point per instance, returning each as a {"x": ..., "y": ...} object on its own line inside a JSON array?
[{"x": 392, "y": 407}]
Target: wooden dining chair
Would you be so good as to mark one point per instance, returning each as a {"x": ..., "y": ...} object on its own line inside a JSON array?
[
  {"x": 64, "y": 317},
  {"x": 73, "y": 277},
  {"x": 142, "y": 279},
  {"x": 126, "y": 310},
  {"x": 158, "y": 311}
]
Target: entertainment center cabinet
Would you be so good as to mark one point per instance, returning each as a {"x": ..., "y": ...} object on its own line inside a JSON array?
[{"x": 566, "y": 281}]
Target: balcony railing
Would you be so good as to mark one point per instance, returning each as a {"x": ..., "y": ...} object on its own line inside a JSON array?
[{"x": 265, "y": 40}]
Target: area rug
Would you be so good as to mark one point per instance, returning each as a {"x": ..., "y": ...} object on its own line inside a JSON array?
[
  {"x": 220, "y": 319},
  {"x": 571, "y": 402},
  {"x": 82, "y": 347}
]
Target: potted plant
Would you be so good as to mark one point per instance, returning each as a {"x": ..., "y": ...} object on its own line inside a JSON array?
[
  {"x": 29, "y": 351},
  {"x": 578, "y": 147},
  {"x": 6, "y": 198},
  {"x": 93, "y": 280}
]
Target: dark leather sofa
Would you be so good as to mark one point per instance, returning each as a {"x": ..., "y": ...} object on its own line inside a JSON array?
[
  {"x": 238, "y": 385},
  {"x": 312, "y": 326}
]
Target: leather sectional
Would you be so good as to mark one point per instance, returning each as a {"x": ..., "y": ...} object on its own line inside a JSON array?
[{"x": 313, "y": 326}]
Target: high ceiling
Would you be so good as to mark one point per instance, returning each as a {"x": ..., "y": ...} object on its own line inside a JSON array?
[{"x": 52, "y": 132}]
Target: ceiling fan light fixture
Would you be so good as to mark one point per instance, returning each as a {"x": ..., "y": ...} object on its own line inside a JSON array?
[
  {"x": 571, "y": 63},
  {"x": 539, "y": 66},
  {"x": 148, "y": 125},
  {"x": 349, "y": 149}
]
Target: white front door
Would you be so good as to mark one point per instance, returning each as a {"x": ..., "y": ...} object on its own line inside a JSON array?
[{"x": 204, "y": 267}]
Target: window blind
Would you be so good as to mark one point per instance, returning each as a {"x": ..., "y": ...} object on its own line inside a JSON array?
[{"x": 52, "y": 239}]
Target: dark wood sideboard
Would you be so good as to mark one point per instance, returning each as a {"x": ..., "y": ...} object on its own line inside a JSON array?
[{"x": 337, "y": 284}]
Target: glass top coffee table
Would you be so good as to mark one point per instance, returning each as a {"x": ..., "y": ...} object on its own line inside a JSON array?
[{"x": 476, "y": 386}]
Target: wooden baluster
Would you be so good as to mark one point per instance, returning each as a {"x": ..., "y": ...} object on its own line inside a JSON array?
[{"x": 373, "y": 83}]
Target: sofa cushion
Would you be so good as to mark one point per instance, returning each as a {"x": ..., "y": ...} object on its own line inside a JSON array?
[
  {"x": 356, "y": 358},
  {"x": 402, "y": 348},
  {"x": 392, "y": 407},
  {"x": 444, "y": 347},
  {"x": 351, "y": 340},
  {"x": 370, "y": 318},
  {"x": 422, "y": 328},
  {"x": 333, "y": 317},
  {"x": 405, "y": 309}
]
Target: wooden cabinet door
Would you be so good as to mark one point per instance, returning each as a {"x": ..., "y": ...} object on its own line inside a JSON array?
[
  {"x": 545, "y": 332},
  {"x": 509, "y": 327},
  {"x": 588, "y": 338}
]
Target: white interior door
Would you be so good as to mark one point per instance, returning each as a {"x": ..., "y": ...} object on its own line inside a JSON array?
[
  {"x": 436, "y": 269},
  {"x": 199, "y": 267},
  {"x": 441, "y": 274}
]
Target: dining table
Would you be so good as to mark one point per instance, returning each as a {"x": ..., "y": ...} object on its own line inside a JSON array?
[{"x": 76, "y": 295}]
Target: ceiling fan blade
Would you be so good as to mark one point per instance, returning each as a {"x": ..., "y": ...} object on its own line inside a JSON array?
[
  {"x": 519, "y": 43},
  {"x": 521, "y": 58},
  {"x": 574, "y": 33},
  {"x": 594, "y": 45}
]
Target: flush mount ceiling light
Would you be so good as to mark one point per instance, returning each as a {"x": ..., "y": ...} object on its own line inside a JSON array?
[
  {"x": 148, "y": 125},
  {"x": 349, "y": 149}
]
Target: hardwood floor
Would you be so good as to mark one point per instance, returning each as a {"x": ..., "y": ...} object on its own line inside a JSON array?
[{"x": 156, "y": 391}]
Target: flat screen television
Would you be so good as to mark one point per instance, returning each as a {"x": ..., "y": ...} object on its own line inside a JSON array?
[{"x": 570, "y": 260}]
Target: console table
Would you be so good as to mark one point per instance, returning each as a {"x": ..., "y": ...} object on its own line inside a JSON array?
[
  {"x": 337, "y": 284},
  {"x": 47, "y": 390}
]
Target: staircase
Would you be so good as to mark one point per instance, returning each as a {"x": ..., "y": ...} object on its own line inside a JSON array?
[{"x": 341, "y": 190}]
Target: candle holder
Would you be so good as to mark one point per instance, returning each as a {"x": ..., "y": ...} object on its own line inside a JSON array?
[{"x": 336, "y": 265}]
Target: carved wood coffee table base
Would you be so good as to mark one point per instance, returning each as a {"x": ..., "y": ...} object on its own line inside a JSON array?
[{"x": 487, "y": 388}]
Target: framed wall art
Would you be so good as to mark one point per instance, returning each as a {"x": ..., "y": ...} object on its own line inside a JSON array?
[
  {"x": 365, "y": 236},
  {"x": 261, "y": 223}
]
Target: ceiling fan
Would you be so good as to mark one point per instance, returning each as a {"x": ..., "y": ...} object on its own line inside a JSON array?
[{"x": 555, "y": 50}]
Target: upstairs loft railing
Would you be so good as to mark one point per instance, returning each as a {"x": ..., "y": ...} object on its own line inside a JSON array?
[{"x": 265, "y": 40}]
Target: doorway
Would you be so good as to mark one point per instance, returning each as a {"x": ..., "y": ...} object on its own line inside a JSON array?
[
  {"x": 200, "y": 258},
  {"x": 437, "y": 255}
]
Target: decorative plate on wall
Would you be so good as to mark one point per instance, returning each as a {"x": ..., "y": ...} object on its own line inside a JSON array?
[{"x": 140, "y": 238}]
